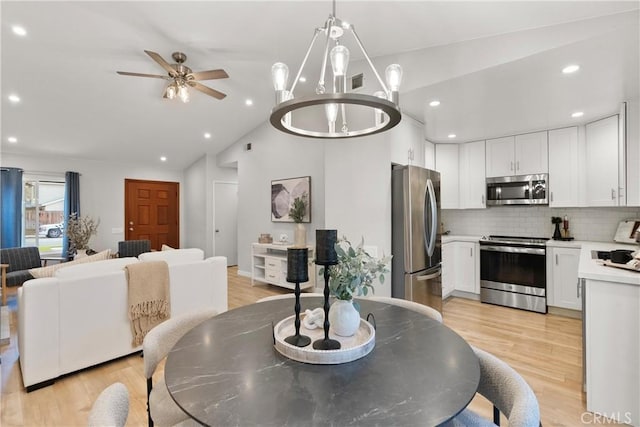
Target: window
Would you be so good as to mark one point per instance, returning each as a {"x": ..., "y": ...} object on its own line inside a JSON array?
[{"x": 43, "y": 214}]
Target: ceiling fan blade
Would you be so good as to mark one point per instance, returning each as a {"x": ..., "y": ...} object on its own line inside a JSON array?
[
  {"x": 204, "y": 89},
  {"x": 208, "y": 75},
  {"x": 164, "y": 64},
  {"x": 155, "y": 76}
]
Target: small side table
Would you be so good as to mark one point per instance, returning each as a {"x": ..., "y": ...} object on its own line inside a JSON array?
[{"x": 4, "y": 283}]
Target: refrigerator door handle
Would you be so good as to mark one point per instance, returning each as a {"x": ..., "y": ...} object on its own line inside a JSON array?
[
  {"x": 430, "y": 197},
  {"x": 426, "y": 277}
]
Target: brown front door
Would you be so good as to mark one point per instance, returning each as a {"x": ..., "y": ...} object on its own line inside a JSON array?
[{"x": 151, "y": 212}]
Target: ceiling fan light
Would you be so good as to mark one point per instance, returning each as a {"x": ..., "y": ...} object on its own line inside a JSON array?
[
  {"x": 171, "y": 91},
  {"x": 183, "y": 93}
]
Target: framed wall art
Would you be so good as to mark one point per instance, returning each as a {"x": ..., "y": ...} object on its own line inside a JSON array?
[{"x": 284, "y": 193}]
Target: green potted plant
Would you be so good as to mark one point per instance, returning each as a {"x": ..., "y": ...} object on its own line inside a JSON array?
[
  {"x": 297, "y": 213},
  {"x": 79, "y": 230},
  {"x": 354, "y": 275}
]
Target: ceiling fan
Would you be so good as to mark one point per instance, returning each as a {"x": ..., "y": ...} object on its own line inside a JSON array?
[{"x": 180, "y": 77}]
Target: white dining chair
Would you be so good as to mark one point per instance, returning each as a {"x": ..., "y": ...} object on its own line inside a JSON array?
[
  {"x": 111, "y": 408},
  {"x": 430, "y": 312},
  {"x": 285, "y": 296},
  {"x": 161, "y": 408},
  {"x": 507, "y": 391}
]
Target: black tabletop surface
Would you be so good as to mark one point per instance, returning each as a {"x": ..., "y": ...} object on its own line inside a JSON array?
[{"x": 226, "y": 372}]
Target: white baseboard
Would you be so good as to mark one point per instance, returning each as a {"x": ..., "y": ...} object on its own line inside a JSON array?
[
  {"x": 244, "y": 273},
  {"x": 467, "y": 295}
]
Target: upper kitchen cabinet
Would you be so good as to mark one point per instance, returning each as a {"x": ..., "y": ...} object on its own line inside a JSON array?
[
  {"x": 563, "y": 167},
  {"x": 520, "y": 155},
  {"x": 447, "y": 165},
  {"x": 407, "y": 142},
  {"x": 473, "y": 189},
  {"x": 632, "y": 114},
  {"x": 602, "y": 162}
]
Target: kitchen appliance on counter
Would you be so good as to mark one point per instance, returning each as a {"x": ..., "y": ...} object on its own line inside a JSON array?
[
  {"x": 513, "y": 272},
  {"x": 415, "y": 235},
  {"x": 518, "y": 190}
]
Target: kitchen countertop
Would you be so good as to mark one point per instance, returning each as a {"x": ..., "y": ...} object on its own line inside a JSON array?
[
  {"x": 588, "y": 268},
  {"x": 460, "y": 238}
]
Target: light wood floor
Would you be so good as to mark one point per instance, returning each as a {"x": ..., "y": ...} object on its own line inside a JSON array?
[{"x": 545, "y": 349}]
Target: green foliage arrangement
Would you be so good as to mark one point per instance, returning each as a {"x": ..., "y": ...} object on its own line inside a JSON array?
[
  {"x": 299, "y": 208},
  {"x": 355, "y": 272},
  {"x": 79, "y": 230}
]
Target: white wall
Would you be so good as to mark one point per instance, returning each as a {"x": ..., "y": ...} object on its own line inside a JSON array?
[
  {"x": 214, "y": 173},
  {"x": 633, "y": 152},
  {"x": 101, "y": 189},
  {"x": 274, "y": 155},
  {"x": 358, "y": 193},
  {"x": 593, "y": 224},
  {"x": 195, "y": 201}
]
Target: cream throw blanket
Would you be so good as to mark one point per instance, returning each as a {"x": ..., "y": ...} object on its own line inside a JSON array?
[{"x": 149, "y": 301}]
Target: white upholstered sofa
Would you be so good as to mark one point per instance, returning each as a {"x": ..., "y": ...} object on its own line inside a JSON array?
[{"x": 78, "y": 318}]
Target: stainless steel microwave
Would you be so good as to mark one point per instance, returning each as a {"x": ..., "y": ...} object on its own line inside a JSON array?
[{"x": 518, "y": 190}]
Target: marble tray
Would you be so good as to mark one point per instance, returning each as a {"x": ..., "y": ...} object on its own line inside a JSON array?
[{"x": 352, "y": 348}]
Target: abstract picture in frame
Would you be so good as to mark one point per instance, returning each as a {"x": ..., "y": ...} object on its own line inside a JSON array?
[{"x": 283, "y": 194}]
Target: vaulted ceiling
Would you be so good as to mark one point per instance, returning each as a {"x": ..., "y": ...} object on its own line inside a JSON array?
[{"x": 494, "y": 66}]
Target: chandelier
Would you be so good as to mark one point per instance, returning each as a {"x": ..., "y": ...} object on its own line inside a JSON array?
[
  {"x": 357, "y": 114},
  {"x": 177, "y": 88}
]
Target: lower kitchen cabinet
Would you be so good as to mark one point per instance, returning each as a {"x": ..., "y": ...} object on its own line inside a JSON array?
[
  {"x": 460, "y": 267},
  {"x": 562, "y": 279}
]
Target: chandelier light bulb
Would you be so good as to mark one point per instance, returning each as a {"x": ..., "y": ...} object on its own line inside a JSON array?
[
  {"x": 393, "y": 73},
  {"x": 331, "y": 111},
  {"x": 183, "y": 93},
  {"x": 339, "y": 56},
  {"x": 171, "y": 91},
  {"x": 279, "y": 75}
]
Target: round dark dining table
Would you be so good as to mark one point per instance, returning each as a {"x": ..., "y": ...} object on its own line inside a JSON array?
[{"x": 227, "y": 372}]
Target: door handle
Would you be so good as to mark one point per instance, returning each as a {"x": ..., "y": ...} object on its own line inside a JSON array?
[
  {"x": 578, "y": 288},
  {"x": 613, "y": 194},
  {"x": 429, "y": 276},
  {"x": 130, "y": 228},
  {"x": 130, "y": 222},
  {"x": 518, "y": 165},
  {"x": 471, "y": 252},
  {"x": 217, "y": 231},
  {"x": 556, "y": 259},
  {"x": 483, "y": 199}
]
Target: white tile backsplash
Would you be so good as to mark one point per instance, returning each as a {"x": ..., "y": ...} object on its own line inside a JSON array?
[{"x": 594, "y": 224}]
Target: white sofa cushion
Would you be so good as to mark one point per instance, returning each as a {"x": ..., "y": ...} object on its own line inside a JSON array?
[
  {"x": 95, "y": 268},
  {"x": 176, "y": 256},
  {"x": 49, "y": 271}
]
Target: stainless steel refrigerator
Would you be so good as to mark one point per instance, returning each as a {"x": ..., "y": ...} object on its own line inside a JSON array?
[{"x": 415, "y": 242}]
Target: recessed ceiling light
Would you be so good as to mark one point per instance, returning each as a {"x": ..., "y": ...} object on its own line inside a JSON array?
[
  {"x": 570, "y": 69},
  {"x": 302, "y": 79},
  {"x": 14, "y": 98},
  {"x": 163, "y": 159},
  {"x": 434, "y": 103},
  {"x": 577, "y": 114},
  {"x": 452, "y": 135},
  {"x": 12, "y": 139},
  {"x": 18, "y": 30},
  {"x": 248, "y": 102},
  {"x": 207, "y": 135}
]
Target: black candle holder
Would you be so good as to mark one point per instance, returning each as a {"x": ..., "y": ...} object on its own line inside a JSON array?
[
  {"x": 298, "y": 271},
  {"x": 326, "y": 256}
]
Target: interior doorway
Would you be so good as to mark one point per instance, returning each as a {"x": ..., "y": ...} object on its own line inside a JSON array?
[
  {"x": 225, "y": 220},
  {"x": 151, "y": 211}
]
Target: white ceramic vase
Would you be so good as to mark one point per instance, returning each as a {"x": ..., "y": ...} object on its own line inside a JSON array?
[
  {"x": 300, "y": 236},
  {"x": 80, "y": 253},
  {"x": 344, "y": 318}
]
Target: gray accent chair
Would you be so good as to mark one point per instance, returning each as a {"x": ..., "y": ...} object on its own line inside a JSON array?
[
  {"x": 111, "y": 408},
  {"x": 20, "y": 260},
  {"x": 133, "y": 248},
  {"x": 161, "y": 408},
  {"x": 507, "y": 391}
]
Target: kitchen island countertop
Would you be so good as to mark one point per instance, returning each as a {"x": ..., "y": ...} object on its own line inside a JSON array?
[{"x": 590, "y": 268}]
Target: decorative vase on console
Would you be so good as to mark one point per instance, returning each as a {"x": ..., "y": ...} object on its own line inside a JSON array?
[
  {"x": 298, "y": 212},
  {"x": 352, "y": 276},
  {"x": 79, "y": 230}
]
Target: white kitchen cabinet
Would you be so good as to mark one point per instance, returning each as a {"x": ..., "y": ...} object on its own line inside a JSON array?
[
  {"x": 563, "y": 168},
  {"x": 473, "y": 189},
  {"x": 517, "y": 155},
  {"x": 460, "y": 268},
  {"x": 269, "y": 265},
  {"x": 465, "y": 267},
  {"x": 447, "y": 165},
  {"x": 563, "y": 287},
  {"x": 448, "y": 269},
  {"x": 500, "y": 157},
  {"x": 602, "y": 162},
  {"x": 407, "y": 143}
]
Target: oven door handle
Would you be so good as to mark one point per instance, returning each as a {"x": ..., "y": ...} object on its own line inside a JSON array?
[{"x": 514, "y": 250}]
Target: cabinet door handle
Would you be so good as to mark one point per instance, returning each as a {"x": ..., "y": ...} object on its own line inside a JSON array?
[
  {"x": 556, "y": 259},
  {"x": 511, "y": 167},
  {"x": 552, "y": 196},
  {"x": 471, "y": 252},
  {"x": 613, "y": 194},
  {"x": 518, "y": 165},
  {"x": 483, "y": 199},
  {"x": 578, "y": 289}
]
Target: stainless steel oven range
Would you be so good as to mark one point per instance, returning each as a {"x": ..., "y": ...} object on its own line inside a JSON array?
[{"x": 513, "y": 272}]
